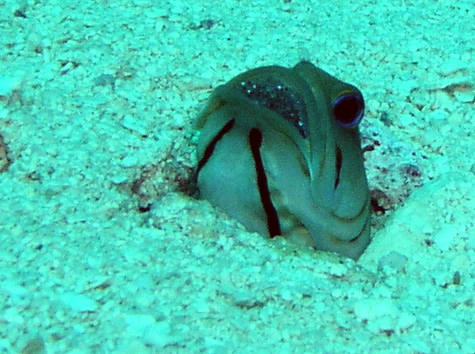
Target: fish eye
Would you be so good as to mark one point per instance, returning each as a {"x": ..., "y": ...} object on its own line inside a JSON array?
[{"x": 348, "y": 109}]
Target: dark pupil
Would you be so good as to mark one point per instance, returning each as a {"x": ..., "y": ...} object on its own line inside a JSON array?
[
  {"x": 348, "y": 110},
  {"x": 279, "y": 98}
]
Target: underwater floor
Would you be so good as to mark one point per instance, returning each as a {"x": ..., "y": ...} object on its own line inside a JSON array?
[{"x": 102, "y": 251}]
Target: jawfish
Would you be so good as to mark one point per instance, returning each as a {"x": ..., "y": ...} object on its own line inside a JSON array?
[{"x": 279, "y": 150}]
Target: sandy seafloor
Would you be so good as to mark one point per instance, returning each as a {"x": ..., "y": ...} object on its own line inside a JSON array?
[{"x": 97, "y": 101}]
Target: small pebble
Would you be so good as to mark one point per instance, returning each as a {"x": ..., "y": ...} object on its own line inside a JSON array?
[{"x": 78, "y": 302}]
